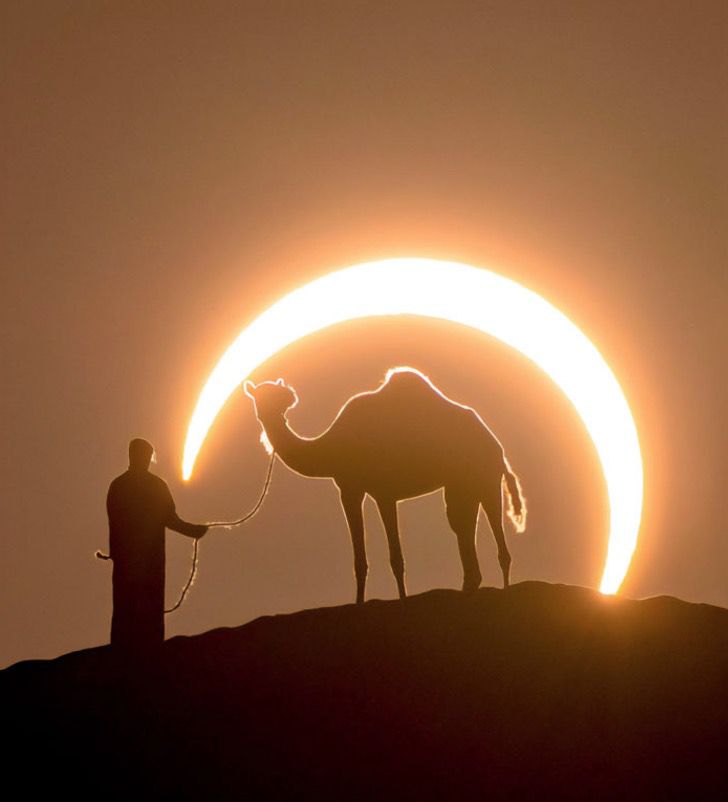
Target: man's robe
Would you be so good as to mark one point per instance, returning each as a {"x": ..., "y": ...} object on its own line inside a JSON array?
[{"x": 140, "y": 507}]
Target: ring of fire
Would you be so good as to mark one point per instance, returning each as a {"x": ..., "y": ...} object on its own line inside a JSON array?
[{"x": 482, "y": 300}]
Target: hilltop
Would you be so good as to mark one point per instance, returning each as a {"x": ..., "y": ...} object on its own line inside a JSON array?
[{"x": 542, "y": 691}]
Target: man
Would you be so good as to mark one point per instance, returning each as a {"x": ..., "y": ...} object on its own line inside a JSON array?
[{"x": 140, "y": 506}]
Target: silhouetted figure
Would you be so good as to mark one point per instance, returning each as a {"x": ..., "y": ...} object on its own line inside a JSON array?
[
  {"x": 399, "y": 441},
  {"x": 140, "y": 506}
]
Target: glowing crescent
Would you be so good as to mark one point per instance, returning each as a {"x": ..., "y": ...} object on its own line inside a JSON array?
[{"x": 473, "y": 297}]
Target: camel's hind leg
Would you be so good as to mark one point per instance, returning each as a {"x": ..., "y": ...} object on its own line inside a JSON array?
[
  {"x": 462, "y": 513},
  {"x": 493, "y": 505},
  {"x": 388, "y": 511},
  {"x": 351, "y": 501}
]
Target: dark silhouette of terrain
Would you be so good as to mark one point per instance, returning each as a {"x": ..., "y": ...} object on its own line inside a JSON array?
[
  {"x": 402, "y": 440},
  {"x": 535, "y": 692}
]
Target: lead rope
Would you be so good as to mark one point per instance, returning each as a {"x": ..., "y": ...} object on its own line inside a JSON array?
[{"x": 225, "y": 524}]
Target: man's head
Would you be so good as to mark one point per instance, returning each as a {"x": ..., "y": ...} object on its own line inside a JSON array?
[{"x": 140, "y": 454}]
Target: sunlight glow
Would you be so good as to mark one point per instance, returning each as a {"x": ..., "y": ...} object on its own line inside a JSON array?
[{"x": 473, "y": 297}]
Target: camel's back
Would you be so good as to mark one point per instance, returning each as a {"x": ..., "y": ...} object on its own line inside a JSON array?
[{"x": 409, "y": 412}]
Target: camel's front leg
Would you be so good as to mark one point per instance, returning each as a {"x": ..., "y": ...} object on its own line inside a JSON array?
[
  {"x": 351, "y": 501},
  {"x": 388, "y": 511}
]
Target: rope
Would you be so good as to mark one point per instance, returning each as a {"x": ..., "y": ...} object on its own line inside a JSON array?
[
  {"x": 248, "y": 516},
  {"x": 191, "y": 579},
  {"x": 226, "y": 524}
]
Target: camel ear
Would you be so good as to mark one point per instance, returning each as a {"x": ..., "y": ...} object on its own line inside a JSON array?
[
  {"x": 248, "y": 388},
  {"x": 280, "y": 382}
]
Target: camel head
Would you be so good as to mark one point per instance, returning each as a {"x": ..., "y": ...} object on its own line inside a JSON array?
[{"x": 271, "y": 398}]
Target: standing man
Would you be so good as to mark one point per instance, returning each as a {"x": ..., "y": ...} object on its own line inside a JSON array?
[{"x": 140, "y": 507}]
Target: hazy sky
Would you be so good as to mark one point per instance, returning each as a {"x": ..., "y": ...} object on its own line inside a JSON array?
[{"x": 170, "y": 169}]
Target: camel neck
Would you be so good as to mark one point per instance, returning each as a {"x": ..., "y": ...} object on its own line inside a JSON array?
[{"x": 302, "y": 454}]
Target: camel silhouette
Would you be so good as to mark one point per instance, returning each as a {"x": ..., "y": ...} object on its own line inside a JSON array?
[{"x": 402, "y": 440}]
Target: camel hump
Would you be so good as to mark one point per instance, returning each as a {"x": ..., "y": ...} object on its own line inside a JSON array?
[
  {"x": 402, "y": 390},
  {"x": 405, "y": 378}
]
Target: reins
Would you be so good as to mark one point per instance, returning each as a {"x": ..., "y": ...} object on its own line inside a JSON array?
[{"x": 226, "y": 524}]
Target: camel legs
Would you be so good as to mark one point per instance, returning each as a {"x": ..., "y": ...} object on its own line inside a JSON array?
[
  {"x": 388, "y": 511},
  {"x": 351, "y": 501},
  {"x": 462, "y": 513},
  {"x": 493, "y": 505}
]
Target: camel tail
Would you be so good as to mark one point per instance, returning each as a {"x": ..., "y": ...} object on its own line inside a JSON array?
[{"x": 516, "y": 500}]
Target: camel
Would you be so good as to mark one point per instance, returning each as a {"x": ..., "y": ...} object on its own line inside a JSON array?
[{"x": 399, "y": 441}]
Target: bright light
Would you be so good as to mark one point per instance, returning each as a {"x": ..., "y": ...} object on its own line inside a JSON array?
[{"x": 473, "y": 297}]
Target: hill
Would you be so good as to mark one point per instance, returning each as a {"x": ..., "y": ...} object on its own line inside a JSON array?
[{"x": 542, "y": 691}]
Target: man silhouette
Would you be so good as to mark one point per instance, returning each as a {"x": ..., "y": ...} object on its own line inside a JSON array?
[{"x": 140, "y": 506}]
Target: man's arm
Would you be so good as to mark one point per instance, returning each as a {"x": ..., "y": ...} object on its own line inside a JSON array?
[{"x": 174, "y": 522}]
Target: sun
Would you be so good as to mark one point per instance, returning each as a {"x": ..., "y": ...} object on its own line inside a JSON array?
[{"x": 482, "y": 300}]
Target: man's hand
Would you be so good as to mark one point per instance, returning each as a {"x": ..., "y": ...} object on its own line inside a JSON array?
[{"x": 200, "y": 530}]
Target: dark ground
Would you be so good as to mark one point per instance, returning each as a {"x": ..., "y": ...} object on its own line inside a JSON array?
[{"x": 540, "y": 692}]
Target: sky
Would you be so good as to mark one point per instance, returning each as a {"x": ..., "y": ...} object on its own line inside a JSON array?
[{"x": 170, "y": 169}]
